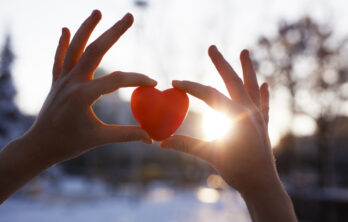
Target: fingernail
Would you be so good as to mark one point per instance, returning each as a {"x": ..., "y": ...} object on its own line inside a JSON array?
[
  {"x": 246, "y": 52},
  {"x": 127, "y": 15},
  {"x": 94, "y": 12},
  {"x": 212, "y": 48},
  {"x": 175, "y": 82},
  {"x": 65, "y": 31},
  {"x": 153, "y": 81}
]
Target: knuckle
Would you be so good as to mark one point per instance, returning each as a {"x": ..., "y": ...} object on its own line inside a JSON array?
[
  {"x": 213, "y": 95},
  {"x": 238, "y": 80},
  {"x": 265, "y": 108},
  {"x": 118, "y": 77},
  {"x": 62, "y": 82},
  {"x": 211, "y": 92},
  {"x": 77, "y": 93},
  {"x": 249, "y": 115}
]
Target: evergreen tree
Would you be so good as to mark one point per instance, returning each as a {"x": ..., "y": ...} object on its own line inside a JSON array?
[{"x": 9, "y": 113}]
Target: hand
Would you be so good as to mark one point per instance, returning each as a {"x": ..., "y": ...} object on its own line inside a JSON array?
[
  {"x": 66, "y": 125},
  {"x": 244, "y": 157}
]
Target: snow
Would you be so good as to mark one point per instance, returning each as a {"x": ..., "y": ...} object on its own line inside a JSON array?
[{"x": 76, "y": 199}]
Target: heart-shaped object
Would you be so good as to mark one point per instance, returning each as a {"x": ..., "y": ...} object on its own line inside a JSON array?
[{"x": 159, "y": 113}]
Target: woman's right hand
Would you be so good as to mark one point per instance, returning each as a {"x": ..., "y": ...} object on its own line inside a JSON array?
[{"x": 243, "y": 158}]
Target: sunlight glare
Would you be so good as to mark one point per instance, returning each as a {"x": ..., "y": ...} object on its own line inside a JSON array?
[{"x": 215, "y": 125}]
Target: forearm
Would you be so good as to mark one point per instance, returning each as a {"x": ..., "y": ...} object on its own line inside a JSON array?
[
  {"x": 20, "y": 161},
  {"x": 270, "y": 204}
]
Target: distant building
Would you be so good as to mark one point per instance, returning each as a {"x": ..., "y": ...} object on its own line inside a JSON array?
[{"x": 302, "y": 160}]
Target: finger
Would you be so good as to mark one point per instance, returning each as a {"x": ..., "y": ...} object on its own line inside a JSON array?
[
  {"x": 96, "y": 50},
  {"x": 210, "y": 96},
  {"x": 233, "y": 83},
  {"x": 264, "y": 94},
  {"x": 60, "y": 53},
  {"x": 115, "y": 80},
  {"x": 80, "y": 40},
  {"x": 115, "y": 133},
  {"x": 188, "y": 145},
  {"x": 249, "y": 77}
]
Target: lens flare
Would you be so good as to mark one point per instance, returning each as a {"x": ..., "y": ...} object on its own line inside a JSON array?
[{"x": 215, "y": 125}]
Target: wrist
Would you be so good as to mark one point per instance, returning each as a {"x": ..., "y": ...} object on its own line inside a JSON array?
[
  {"x": 264, "y": 192},
  {"x": 20, "y": 161},
  {"x": 270, "y": 202},
  {"x": 264, "y": 185},
  {"x": 35, "y": 150}
]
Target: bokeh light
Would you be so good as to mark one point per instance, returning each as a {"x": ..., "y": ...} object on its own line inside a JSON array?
[
  {"x": 207, "y": 195},
  {"x": 216, "y": 181}
]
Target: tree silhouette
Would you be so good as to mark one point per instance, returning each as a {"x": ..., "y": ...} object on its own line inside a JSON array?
[
  {"x": 12, "y": 122},
  {"x": 311, "y": 64},
  {"x": 8, "y": 110}
]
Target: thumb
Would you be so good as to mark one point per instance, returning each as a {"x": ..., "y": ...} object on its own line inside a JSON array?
[
  {"x": 117, "y": 133},
  {"x": 188, "y": 145}
]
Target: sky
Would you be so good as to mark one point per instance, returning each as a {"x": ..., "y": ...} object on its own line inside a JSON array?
[{"x": 169, "y": 40}]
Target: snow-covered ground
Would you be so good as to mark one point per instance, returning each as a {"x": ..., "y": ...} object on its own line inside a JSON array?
[{"x": 77, "y": 199}]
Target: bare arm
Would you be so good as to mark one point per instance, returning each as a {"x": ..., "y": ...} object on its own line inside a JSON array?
[
  {"x": 66, "y": 126},
  {"x": 244, "y": 158}
]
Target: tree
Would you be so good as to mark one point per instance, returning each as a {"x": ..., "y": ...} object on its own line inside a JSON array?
[
  {"x": 311, "y": 64},
  {"x": 9, "y": 112}
]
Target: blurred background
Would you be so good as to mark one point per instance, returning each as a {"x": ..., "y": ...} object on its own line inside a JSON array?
[{"x": 299, "y": 47}]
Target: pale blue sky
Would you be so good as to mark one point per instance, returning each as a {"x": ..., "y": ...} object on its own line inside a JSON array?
[{"x": 169, "y": 39}]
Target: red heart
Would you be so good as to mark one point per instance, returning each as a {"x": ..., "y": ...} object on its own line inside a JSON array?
[{"x": 159, "y": 113}]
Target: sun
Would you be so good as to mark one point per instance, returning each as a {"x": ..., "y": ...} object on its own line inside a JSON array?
[{"x": 215, "y": 125}]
